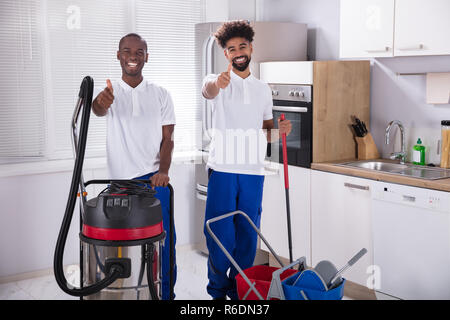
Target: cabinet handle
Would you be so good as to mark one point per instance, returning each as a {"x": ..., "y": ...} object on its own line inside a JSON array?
[
  {"x": 418, "y": 47},
  {"x": 386, "y": 49},
  {"x": 201, "y": 196},
  {"x": 355, "y": 186},
  {"x": 202, "y": 188}
]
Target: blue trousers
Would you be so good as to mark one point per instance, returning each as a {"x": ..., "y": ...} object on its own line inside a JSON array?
[
  {"x": 163, "y": 194},
  {"x": 229, "y": 192}
]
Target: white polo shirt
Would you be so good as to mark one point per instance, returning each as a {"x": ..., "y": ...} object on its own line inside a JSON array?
[
  {"x": 238, "y": 142},
  {"x": 134, "y": 128}
]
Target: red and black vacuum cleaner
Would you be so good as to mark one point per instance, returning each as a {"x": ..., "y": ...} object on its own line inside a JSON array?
[{"x": 121, "y": 230}]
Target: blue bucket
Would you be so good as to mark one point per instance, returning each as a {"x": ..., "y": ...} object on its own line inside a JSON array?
[{"x": 312, "y": 287}]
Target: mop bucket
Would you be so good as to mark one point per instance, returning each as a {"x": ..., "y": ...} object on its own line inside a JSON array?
[
  {"x": 261, "y": 276},
  {"x": 311, "y": 290},
  {"x": 257, "y": 282},
  {"x": 264, "y": 282},
  {"x": 306, "y": 284}
]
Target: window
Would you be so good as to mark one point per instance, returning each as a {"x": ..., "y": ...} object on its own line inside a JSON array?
[
  {"x": 168, "y": 27},
  {"x": 22, "y": 108},
  {"x": 82, "y": 39},
  {"x": 49, "y": 46}
]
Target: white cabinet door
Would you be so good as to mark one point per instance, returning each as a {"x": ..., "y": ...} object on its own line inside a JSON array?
[
  {"x": 422, "y": 27},
  {"x": 274, "y": 218},
  {"x": 341, "y": 222},
  {"x": 366, "y": 28}
]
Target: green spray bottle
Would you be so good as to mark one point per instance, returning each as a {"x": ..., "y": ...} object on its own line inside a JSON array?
[{"x": 418, "y": 156}]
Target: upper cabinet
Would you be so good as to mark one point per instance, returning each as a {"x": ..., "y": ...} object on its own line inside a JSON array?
[
  {"x": 386, "y": 28},
  {"x": 422, "y": 27},
  {"x": 367, "y": 28}
]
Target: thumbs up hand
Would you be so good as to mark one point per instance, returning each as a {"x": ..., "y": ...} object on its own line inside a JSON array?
[
  {"x": 224, "y": 78},
  {"x": 104, "y": 99},
  {"x": 109, "y": 85}
]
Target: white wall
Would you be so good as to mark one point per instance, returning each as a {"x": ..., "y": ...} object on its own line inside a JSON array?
[
  {"x": 31, "y": 215},
  {"x": 322, "y": 17},
  {"x": 32, "y": 207},
  {"x": 223, "y": 10},
  {"x": 392, "y": 96}
]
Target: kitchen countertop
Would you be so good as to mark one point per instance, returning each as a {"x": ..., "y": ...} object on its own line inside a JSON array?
[{"x": 441, "y": 184}]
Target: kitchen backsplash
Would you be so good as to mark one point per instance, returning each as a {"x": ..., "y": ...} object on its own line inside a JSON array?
[{"x": 429, "y": 137}]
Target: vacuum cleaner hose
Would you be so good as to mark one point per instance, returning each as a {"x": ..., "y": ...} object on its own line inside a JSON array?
[{"x": 86, "y": 91}]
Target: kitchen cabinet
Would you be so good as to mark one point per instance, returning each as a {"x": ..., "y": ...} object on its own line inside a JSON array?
[
  {"x": 273, "y": 220},
  {"x": 367, "y": 28},
  {"x": 341, "y": 222},
  {"x": 422, "y": 27},
  {"x": 386, "y": 28}
]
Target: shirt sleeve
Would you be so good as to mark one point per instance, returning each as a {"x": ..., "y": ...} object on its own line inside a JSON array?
[
  {"x": 268, "y": 104},
  {"x": 167, "y": 109},
  {"x": 97, "y": 90}
]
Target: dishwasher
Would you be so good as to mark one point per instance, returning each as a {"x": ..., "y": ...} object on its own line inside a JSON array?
[{"x": 411, "y": 233}]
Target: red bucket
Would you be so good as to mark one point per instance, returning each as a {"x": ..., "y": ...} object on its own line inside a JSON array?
[{"x": 261, "y": 276}]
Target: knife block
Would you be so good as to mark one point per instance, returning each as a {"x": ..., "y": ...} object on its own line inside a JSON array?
[{"x": 367, "y": 148}]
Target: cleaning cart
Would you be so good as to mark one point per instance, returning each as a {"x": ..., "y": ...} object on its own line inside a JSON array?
[{"x": 263, "y": 282}]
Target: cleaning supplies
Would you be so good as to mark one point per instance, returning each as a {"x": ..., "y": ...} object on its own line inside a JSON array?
[{"x": 418, "y": 156}]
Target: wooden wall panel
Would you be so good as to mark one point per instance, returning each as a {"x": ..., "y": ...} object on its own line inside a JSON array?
[{"x": 341, "y": 89}]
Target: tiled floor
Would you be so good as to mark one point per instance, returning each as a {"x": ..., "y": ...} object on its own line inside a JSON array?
[{"x": 191, "y": 282}]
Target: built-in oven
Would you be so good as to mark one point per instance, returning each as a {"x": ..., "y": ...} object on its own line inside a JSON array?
[{"x": 295, "y": 101}]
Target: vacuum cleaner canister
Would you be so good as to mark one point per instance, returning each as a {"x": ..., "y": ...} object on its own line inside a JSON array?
[
  {"x": 123, "y": 212},
  {"x": 123, "y": 225}
]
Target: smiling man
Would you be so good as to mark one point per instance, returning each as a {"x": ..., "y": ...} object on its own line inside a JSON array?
[
  {"x": 140, "y": 123},
  {"x": 241, "y": 109}
]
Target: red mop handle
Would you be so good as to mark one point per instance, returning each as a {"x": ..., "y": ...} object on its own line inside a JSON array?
[{"x": 285, "y": 162}]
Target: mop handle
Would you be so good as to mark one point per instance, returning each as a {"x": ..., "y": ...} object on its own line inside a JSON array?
[
  {"x": 285, "y": 163},
  {"x": 350, "y": 263}
]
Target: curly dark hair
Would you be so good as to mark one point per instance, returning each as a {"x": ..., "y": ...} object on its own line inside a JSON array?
[{"x": 233, "y": 29}]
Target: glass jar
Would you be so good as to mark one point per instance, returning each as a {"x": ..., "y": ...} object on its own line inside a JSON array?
[{"x": 445, "y": 144}]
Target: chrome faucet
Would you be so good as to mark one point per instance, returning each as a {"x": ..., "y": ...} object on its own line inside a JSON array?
[{"x": 402, "y": 154}]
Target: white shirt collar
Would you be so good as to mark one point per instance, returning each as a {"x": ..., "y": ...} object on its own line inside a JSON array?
[
  {"x": 127, "y": 87},
  {"x": 236, "y": 77}
]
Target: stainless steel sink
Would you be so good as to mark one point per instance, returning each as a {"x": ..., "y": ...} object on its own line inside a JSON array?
[
  {"x": 410, "y": 170},
  {"x": 377, "y": 165}
]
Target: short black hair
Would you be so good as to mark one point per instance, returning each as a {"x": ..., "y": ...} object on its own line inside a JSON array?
[
  {"x": 132, "y": 35},
  {"x": 233, "y": 29}
]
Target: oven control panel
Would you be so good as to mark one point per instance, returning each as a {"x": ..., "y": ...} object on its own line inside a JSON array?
[{"x": 291, "y": 92}]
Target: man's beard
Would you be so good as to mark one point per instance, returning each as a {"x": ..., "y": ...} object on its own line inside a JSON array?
[{"x": 243, "y": 66}]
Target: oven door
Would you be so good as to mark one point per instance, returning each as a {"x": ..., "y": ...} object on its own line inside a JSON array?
[{"x": 299, "y": 141}]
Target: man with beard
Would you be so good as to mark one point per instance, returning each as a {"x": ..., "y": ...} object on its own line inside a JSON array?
[
  {"x": 241, "y": 109},
  {"x": 140, "y": 123}
]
